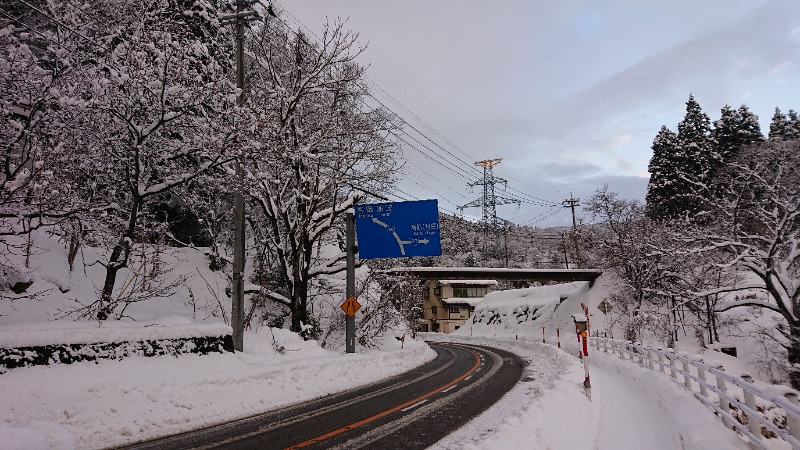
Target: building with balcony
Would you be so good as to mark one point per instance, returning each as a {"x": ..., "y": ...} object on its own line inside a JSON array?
[{"x": 447, "y": 304}]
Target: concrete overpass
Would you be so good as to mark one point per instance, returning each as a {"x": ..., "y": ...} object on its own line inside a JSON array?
[{"x": 499, "y": 274}]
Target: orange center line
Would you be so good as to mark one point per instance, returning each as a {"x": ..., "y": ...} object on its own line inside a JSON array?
[{"x": 388, "y": 411}]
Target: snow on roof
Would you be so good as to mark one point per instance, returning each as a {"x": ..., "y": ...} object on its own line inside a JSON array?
[
  {"x": 471, "y": 301},
  {"x": 470, "y": 282}
]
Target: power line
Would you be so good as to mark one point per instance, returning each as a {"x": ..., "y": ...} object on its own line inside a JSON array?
[
  {"x": 456, "y": 169},
  {"x": 543, "y": 216},
  {"x": 445, "y": 163},
  {"x": 466, "y": 130}
]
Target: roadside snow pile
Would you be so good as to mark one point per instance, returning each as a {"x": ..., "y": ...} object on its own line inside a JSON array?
[
  {"x": 630, "y": 407},
  {"x": 690, "y": 425},
  {"x": 113, "y": 403},
  {"x": 90, "y": 332},
  {"x": 61, "y": 342},
  {"x": 520, "y": 312},
  {"x": 546, "y": 410}
]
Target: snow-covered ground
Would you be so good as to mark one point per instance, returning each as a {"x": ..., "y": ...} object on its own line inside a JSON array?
[
  {"x": 88, "y": 405},
  {"x": 109, "y": 403}
]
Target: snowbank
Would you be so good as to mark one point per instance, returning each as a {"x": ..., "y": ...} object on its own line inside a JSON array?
[
  {"x": 89, "y": 332},
  {"x": 113, "y": 403}
]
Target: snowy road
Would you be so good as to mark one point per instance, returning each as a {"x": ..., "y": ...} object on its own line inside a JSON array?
[{"x": 411, "y": 411}]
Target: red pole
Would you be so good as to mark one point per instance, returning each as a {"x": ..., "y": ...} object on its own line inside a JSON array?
[
  {"x": 543, "y": 342},
  {"x": 558, "y": 337}
]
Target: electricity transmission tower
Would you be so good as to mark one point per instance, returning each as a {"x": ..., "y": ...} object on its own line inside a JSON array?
[{"x": 488, "y": 203}]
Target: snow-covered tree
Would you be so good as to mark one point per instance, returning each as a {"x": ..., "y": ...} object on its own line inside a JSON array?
[
  {"x": 149, "y": 117},
  {"x": 623, "y": 242},
  {"x": 735, "y": 129},
  {"x": 757, "y": 229},
  {"x": 316, "y": 146},
  {"x": 662, "y": 187},
  {"x": 34, "y": 69},
  {"x": 694, "y": 160},
  {"x": 783, "y": 126},
  {"x": 38, "y": 64},
  {"x": 680, "y": 164}
]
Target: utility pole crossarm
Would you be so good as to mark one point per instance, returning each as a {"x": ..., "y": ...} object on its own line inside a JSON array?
[{"x": 244, "y": 16}]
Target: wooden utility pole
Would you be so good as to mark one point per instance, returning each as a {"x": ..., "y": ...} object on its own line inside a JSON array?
[{"x": 572, "y": 203}]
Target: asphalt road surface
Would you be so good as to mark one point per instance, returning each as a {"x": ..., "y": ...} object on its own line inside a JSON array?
[{"x": 410, "y": 411}]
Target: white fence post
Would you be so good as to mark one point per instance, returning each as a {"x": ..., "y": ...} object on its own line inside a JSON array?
[
  {"x": 671, "y": 358},
  {"x": 701, "y": 374},
  {"x": 792, "y": 421},
  {"x": 660, "y": 360},
  {"x": 649, "y": 358},
  {"x": 687, "y": 382},
  {"x": 642, "y": 354},
  {"x": 724, "y": 404},
  {"x": 750, "y": 401}
]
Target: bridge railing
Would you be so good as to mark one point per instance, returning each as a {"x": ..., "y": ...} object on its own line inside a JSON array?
[{"x": 758, "y": 413}]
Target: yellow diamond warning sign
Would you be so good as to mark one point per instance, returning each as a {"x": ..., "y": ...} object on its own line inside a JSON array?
[{"x": 351, "y": 306}]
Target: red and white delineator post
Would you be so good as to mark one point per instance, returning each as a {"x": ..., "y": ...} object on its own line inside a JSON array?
[{"x": 582, "y": 330}]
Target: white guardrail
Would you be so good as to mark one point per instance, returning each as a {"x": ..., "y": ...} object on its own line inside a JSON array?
[{"x": 759, "y": 413}]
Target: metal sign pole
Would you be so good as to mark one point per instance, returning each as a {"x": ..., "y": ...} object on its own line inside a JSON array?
[{"x": 350, "y": 325}]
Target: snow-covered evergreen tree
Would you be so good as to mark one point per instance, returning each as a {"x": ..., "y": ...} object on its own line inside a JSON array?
[
  {"x": 735, "y": 129},
  {"x": 783, "y": 126},
  {"x": 662, "y": 187},
  {"x": 694, "y": 161},
  {"x": 681, "y": 167},
  {"x": 794, "y": 125}
]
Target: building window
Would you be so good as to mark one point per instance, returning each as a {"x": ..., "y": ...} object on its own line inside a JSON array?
[
  {"x": 437, "y": 291},
  {"x": 464, "y": 292},
  {"x": 477, "y": 292},
  {"x": 425, "y": 293},
  {"x": 455, "y": 309},
  {"x": 433, "y": 310}
]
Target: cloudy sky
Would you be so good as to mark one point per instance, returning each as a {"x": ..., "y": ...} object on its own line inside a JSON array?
[{"x": 569, "y": 94}]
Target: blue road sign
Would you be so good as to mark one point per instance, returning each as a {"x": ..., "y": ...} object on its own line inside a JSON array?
[{"x": 391, "y": 230}]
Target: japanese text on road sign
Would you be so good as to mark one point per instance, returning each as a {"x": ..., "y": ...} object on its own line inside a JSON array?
[{"x": 390, "y": 230}]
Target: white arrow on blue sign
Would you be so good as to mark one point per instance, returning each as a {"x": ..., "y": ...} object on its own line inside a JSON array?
[{"x": 398, "y": 229}]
